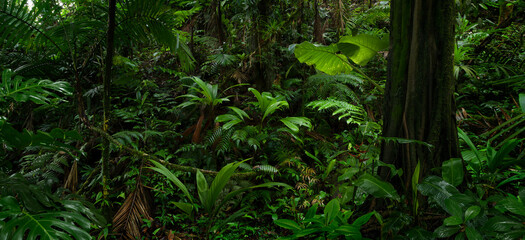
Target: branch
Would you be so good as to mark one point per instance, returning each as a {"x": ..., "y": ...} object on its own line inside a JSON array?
[{"x": 173, "y": 166}]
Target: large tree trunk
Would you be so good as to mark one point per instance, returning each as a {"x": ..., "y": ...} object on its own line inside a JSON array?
[{"x": 419, "y": 101}]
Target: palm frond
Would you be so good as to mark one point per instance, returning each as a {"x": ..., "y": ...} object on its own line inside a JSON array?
[
  {"x": 144, "y": 20},
  {"x": 36, "y": 90},
  {"x": 20, "y": 25},
  {"x": 128, "y": 219},
  {"x": 72, "y": 178}
]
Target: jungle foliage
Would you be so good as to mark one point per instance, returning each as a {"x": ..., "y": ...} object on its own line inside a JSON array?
[{"x": 247, "y": 119}]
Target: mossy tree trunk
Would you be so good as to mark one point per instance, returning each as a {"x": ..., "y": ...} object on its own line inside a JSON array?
[{"x": 419, "y": 100}]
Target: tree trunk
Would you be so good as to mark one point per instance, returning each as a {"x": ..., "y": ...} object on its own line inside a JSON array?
[
  {"x": 419, "y": 101},
  {"x": 318, "y": 25},
  {"x": 106, "y": 103}
]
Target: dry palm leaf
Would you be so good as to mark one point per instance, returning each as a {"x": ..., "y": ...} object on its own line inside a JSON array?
[
  {"x": 72, "y": 178},
  {"x": 129, "y": 217}
]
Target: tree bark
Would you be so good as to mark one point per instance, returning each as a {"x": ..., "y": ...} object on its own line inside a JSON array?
[
  {"x": 318, "y": 25},
  {"x": 419, "y": 100}
]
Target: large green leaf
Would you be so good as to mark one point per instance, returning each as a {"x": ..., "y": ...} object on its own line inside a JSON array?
[
  {"x": 376, "y": 187},
  {"x": 452, "y": 171},
  {"x": 446, "y": 231},
  {"x": 349, "y": 231},
  {"x": 204, "y": 191},
  {"x": 513, "y": 204},
  {"x": 168, "y": 174},
  {"x": 498, "y": 159},
  {"x": 324, "y": 58},
  {"x": 472, "y": 234},
  {"x": 22, "y": 225},
  {"x": 331, "y": 210},
  {"x": 437, "y": 189},
  {"x": 293, "y": 123},
  {"x": 360, "y": 221},
  {"x": 361, "y": 48},
  {"x": 472, "y": 212},
  {"x": 288, "y": 224}
]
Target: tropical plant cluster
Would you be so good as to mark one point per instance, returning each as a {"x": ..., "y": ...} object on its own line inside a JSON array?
[{"x": 246, "y": 119}]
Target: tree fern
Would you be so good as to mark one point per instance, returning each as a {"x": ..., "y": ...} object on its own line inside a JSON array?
[{"x": 352, "y": 113}]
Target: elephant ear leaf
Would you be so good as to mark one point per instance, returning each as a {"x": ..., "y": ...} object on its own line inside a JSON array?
[
  {"x": 56, "y": 224},
  {"x": 324, "y": 58},
  {"x": 361, "y": 48}
]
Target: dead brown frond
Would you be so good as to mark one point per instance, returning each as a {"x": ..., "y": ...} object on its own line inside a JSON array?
[
  {"x": 128, "y": 219},
  {"x": 239, "y": 76},
  {"x": 72, "y": 178}
]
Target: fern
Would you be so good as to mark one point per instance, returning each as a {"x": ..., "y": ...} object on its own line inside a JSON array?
[
  {"x": 128, "y": 138},
  {"x": 190, "y": 148},
  {"x": 266, "y": 169},
  {"x": 343, "y": 87},
  {"x": 220, "y": 140},
  {"x": 352, "y": 113},
  {"x": 43, "y": 169}
]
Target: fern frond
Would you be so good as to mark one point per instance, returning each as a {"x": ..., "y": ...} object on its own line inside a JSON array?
[
  {"x": 343, "y": 87},
  {"x": 190, "y": 148},
  {"x": 128, "y": 137},
  {"x": 266, "y": 169},
  {"x": 43, "y": 169},
  {"x": 352, "y": 113}
]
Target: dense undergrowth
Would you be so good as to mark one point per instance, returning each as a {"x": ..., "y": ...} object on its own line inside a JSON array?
[{"x": 218, "y": 129}]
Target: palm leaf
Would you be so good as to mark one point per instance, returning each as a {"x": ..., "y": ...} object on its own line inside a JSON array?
[
  {"x": 38, "y": 91},
  {"x": 144, "y": 20},
  {"x": 128, "y": 219},
  {"x": 19, "y": 25}
]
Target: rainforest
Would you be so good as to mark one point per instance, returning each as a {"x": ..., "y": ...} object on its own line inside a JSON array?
[{"x": 262, "y": 119}]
